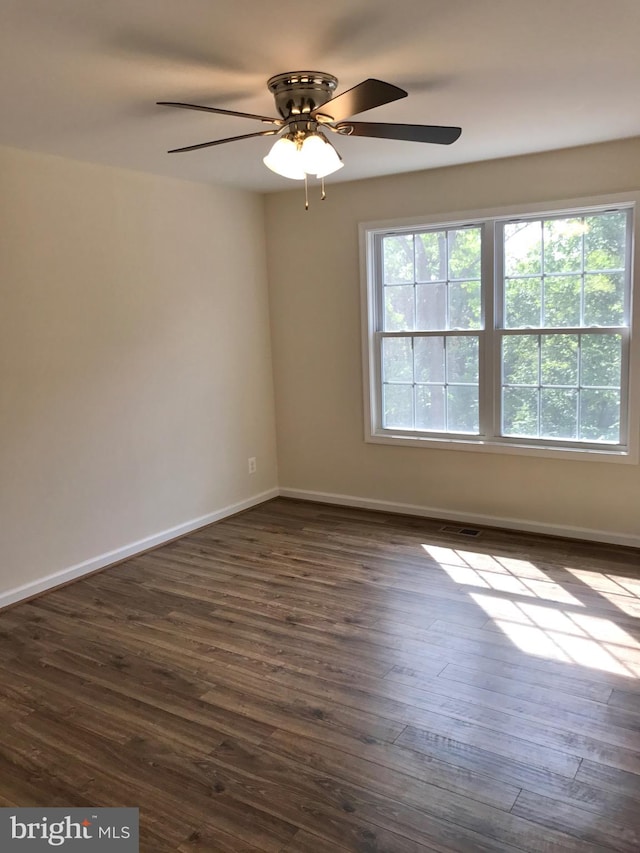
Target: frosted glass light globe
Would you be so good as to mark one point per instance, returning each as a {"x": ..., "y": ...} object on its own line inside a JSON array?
[
  {"x": 285, "y": 159},
  {"x": 319, "y": 157}
]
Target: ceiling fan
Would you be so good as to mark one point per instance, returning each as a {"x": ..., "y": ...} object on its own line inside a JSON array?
[{"x": 307, "y": 108}]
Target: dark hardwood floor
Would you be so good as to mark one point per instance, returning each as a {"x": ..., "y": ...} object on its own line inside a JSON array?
[{"x": 311, "y": 679}]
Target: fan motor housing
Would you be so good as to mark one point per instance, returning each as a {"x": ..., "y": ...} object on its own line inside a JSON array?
[{"x": 301, "y": 92}]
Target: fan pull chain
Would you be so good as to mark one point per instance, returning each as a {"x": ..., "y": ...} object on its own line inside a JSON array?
[{"x": 323, "y": 194}]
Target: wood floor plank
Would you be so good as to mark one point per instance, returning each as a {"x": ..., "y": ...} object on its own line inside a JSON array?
[
  {"x": 295, "y": 711},
  {"x": 271, "y": 649},
  {"x": 455, "y": 647},
  {"x": 118, "y": 766},
  {"x": 529, "y": 674},
  {"x": 576, "y": 822},
  {"x": 527, "y": 737},
  {"x": 460, "y": 698},
  {"x": 386, "y": 769},
  {"x": 455, "y": 714},
  {"x": 118, "y": 717},
  {"x": 625, "y": 700},
  {"x": 306, "y": 842},
  {"x": 591, "y": 718},
  {"x": 303, "y": 678},
  {"x": 25, "y": 781},
  {"x": 596, "y": 711},
  {"x": 351, "y": 760},
  {"x": 289, "y": 792},
  {"x": 609, "y": 778},
  {"x": 465, "y": 736},
  {"x": 200, "y": 841},
  {"x": 384, "y": 816}
]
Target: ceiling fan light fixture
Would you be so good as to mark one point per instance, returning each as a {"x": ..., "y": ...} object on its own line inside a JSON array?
[
  {"x": 285, "y": 159},
  {"x": 319, "y": 157},
  {"x": 305, "y": 102}
]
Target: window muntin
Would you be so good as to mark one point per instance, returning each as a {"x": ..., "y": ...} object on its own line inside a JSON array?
[{"x": 551, "y": 367}]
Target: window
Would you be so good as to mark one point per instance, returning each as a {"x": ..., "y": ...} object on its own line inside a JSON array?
[{"x": 507, "y": 331}]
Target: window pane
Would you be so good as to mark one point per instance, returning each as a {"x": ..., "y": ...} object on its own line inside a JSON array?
[
  {"x": 604, "y": 299},
  {"x": 462, "y": 408},
  {"x": 600, "y": 360},
  {"x": 520, "y": 411},
  {"x": 464, "y": 253},
  {"x": 523, "y": 302},
  {"x": 464, "y": 305},
  {"x": 397, "y": 360},
  {"x": 600, "y": 415},
  {"x": 431, "y": 301},
  {"x": 523, "y": 248},
  {"x": 559, "y": 360},
  {"x": 397, "y": 253},
  {"x": 520, "y": 360},
  {"x": 398, "y": 308},
  {"x": 462, "y": 359},
  {"x": 563, "y": 245},
  {"x": 431, "y": 256},
  {"x": 562, "y": 300},
  {"x": 558, "y": 413},
  {"x": 429, "y": 359},
  {"x": 430, "y": 409},
  {"x": 605, "y": 241},
  {"x": 398, "y": 406}
]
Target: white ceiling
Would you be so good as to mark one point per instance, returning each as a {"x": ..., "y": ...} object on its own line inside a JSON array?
[{"x": 80, "y": 78}]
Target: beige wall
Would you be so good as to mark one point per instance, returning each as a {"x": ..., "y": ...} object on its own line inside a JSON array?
[
  {"x": 135, "y": 357},
  {"x": 135, "y": 364},
  {"x": 314, "y": 290}
]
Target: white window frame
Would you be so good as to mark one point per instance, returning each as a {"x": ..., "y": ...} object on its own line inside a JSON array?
[{"x": 492, "y": 221}]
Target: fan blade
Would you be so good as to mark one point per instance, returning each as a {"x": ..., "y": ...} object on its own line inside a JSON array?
[
  {"x": 219, "y": 111},
  {"x": 408, "y": 132},
  {"x": 221, "y": 141},
  {"x": 365, "y": 96}
]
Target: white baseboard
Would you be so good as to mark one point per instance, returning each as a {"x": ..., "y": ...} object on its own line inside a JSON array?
[
  {"x": 111, "y": 557},
  {"x": 470, "y": 518},
  {"x": 28, "y": 590}
]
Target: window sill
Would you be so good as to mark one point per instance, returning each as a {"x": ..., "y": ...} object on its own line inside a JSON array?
[{"x": 464, "y": 444}]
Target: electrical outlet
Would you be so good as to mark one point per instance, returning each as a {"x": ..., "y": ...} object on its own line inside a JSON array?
[{"x": 252, "y": 464}]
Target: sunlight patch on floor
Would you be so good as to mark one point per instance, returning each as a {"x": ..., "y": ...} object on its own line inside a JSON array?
[
  {"x": 607, "y": 582},
  {"x": 570, "y": 649},
  {"x": 554, "y": 635},
  {"x": 623, "y": 592},
  {"x": 485, "y": 562},
  {"x": 630, "y": 585},
  {"x": 604, "y": 629},
  {"x": 461, "y": 573},
  {"x": 542, "y": 627}
]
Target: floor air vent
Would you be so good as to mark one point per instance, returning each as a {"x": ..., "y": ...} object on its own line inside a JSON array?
[{"x": 460, "y": 531}]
